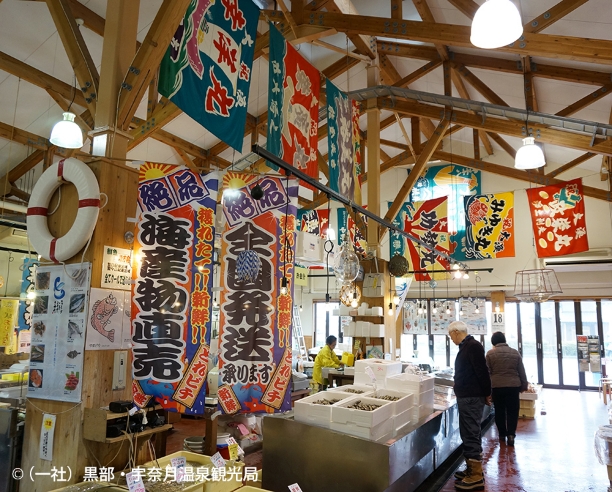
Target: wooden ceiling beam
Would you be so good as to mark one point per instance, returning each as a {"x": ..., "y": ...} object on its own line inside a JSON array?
[
  {"x": 164, "y": 114},
  {"x": 418, "y": 73},
  {"x": 499, "y": 140},
  {"x": 388, "y": 72},
  {"x": 479, "y": 85},
  {"x": 566, "y": 167},
  {"x": 427, "y": 16},
  {"x": 84, "y": 119},
  {"x": 586, "y": 101},
  {"x": 466, "y": 7},
  {"x": 77, "y": 51},
  {"x": 505, "y": 127},
  {"x": 364, "y": 44},
  {"x": 148, "y": 58},
  {"x": 23, "y": 137},
  {"x": 188, "y": 161},
  {"x": 29, "y": 163},
  {"x": 552, "y": 15},
  {"x": 22, "y": 195}
]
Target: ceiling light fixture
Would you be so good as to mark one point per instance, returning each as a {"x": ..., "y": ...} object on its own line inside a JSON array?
[
  {"x": 497, "y": 23},
  {"x": 529, "y": 156},
  {"x": 66, "y": 133}
]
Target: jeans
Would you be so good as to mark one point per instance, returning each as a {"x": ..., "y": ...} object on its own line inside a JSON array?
[
  {"x": 470, "y": 418},
  {"x": 507, "y": 405}
]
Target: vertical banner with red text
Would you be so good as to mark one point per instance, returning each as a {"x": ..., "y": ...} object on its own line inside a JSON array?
[
  {"x": 255, "y": 319},
  {"x": 171, "y": 301}
]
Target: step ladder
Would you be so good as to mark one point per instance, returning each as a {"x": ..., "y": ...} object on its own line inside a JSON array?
[{"x": 298, "y": 333}]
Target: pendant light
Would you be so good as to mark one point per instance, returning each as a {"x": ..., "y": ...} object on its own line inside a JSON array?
[
  {"x": 66, "y": 133},
  {"x": 497, "y": 23},
  {"x": 529, "y": 156}
]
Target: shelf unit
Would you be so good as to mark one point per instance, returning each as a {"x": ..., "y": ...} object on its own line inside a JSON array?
[
  {"x": 148, "y": 432},
  {"x": 95, "y": 421}
]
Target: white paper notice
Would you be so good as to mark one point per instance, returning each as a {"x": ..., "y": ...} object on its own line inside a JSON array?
[
  {"x": 116, "y": 268},
  {"x": 218, "y": 460},
  {"x": 134, "y": 482},
  {"x": 370, "y": 373},
  {"x": 46, "y": 437},
  {"x": 179, "y": 465},
  {"x": 295, "y": 488},
  {"x": 105, "y": 320}
]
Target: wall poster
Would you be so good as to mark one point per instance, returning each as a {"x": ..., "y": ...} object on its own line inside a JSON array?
[
  {"x": 116, "y": 268},
  {"x": 108, "y": 323},
  {"x": 58, "y": 332}
]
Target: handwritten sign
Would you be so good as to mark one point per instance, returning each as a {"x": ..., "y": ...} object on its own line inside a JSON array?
[
  {"x": 116, "y": 268},
  {"x": 218, "y": 460},
  {"x": 134, "y": 482}
]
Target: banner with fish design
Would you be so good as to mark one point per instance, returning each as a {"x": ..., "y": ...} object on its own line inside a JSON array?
[
  {"x": 489, "y": 231},
  {"x": 108, "y": 320},
  {"x": 206, "y": 70},
  {"x": 257, "y": 251},
  {"x": 26, "y": 306},
  {"x": 293, "y": 112},
  {"x": 428, "y": 222},
  {"x": 346, "y": 225},
  {"x": 314, "y": 221},
  {"x": 454, "y": 182},
  {"x": 341, "y": 151},
  {"x": 558, "y": 220},
  {"x": 58, "y": 332},
  {"x": 171, "y": 299}
]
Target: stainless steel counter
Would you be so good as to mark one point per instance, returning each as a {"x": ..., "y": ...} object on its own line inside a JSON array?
[{"x": 320, "y": 459}]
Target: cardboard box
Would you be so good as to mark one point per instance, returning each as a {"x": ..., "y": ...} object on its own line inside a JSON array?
[
  {"x": 527, "y": 413},
  {"x": 377, "y": 330}
]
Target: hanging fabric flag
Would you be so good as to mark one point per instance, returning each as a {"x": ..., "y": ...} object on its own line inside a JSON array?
[
  {"x": 356, "y": 142},
  {"x": 489, "y": 226},
  {"x": 255, "y": 343},
  {"x": 314, "y": 221},
  {"x": 428, "y": 222},
  {"x": 346, "y": 225},
  {"x": 293, "y": 112},
  {"x": 171, "y": 301},
  {"x": 557, "y": 216},
  {"x": 341, "y": 151},
  {"x": 454, "y": 182},
  {"x": 206, "y": 70}
]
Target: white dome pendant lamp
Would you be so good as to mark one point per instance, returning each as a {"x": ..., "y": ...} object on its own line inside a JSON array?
[
  {"x": 497, "y": 23},
  {"x": 66, "y": 133},
  {"x": 529, "y": 156}
]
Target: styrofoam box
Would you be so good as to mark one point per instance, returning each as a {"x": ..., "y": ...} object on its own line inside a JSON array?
[
  {"x": 377, "y": 311},
  {"x": 349, "y": 371},
  {"x": 365, "y": 388},
  {"x": 405, "y": 402},
  {"x": 342, "y": 415},
  {"x": 363, "y": 329},
  {"x": 401, "y": 419},
  {"x": 411, "y": 383},
  {"x": 404, "y": 428},
  {"x": 382, "y": 368},
  {"x": 528, "y": 396},
  {"x": 377, "y": 330},
  {"x": 380, "y": 431},
  {"x": 421, "y": 411},
  {"x": 362, "y": 379},
  {"x": 350, "y": 330},
  {"x": 306, "y": 411},
  {"x": 425, "y": 398}
]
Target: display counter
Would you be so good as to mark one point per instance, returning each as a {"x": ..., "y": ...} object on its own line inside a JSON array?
[{"x": 321, "y": 459}]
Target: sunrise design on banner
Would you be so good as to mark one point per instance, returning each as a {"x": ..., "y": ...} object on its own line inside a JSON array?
[
  {"x": 489, "y": 228},
  {"x": 255, "y": 343},
  {"x": 293, "y": 112},
  {"x": 206, "y": 70},
  {"x": 341, "y": 150},
  {"x": 454, "y": 182},
  {"x": 558, "y": 220},
  {"x": 314, "y": 221},
  {"x": 428, "y": 222},
  {"x": 171, "y": 301},
  {"x": 346, "y": 224}
]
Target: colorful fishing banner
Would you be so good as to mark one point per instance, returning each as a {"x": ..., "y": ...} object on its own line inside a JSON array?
[
  {"x": 255, "y": 342},
  {"x": 314, "y": 221},
  {"x": 171, "y": 299},
  {"x": 346, "y": 225},
  {"x": 341, "y": 151},
  {"x": 9, "y": 310},
  {"x": 557, "y": 216},
  {"x": 356, "y": 110},
  {"x": 489, "y": 228},
  {"x": 454, "y": 182},
  {"x": 26, "y": 306},
  {"x": 58, "y": 332},
  {"x": 428, "y": 222},
  {"x": 293, "y": 112},
  {"x": 206, "y": 70}
]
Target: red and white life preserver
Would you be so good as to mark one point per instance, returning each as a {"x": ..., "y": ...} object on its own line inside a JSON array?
[{"x": 65, "y": 247}]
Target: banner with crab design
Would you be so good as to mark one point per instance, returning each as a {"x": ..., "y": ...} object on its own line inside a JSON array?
[
  {"x": 558, "y": 219},
  {"x": 489, "y": 228}
]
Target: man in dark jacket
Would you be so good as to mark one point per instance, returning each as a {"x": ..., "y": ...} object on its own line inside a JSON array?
[{"x": 473, "y": 391}]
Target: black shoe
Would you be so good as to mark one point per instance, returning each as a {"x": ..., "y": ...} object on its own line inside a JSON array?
[
  {"x": 511, "y": 441},
  {"x": 502, "y": 439},
  {"x": 461, "y": 474}
]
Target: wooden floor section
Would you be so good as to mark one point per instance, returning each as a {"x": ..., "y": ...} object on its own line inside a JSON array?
[{"x": 553, "y": 452}]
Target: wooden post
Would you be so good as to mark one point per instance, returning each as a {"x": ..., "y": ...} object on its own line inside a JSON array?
[{"x": 373, "y": 117}]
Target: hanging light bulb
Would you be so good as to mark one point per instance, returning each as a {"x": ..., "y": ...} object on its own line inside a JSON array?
[
  {"x": 466, "y": 276},
  {"x": 396, "y": 300},
  {"x": 31, "y": 295},
  {"x": 420, "y": 310},
  {"x": 354, "y": 301},
  {"x": 215, "y": 303},
  {"x": 497, "y": 23},
  {"x": 284, "y": 288},
  {"x": 435, "y": 308},
  {"x": 331, "y": 234},
  {"x": 66, "y": 133},
  {"x": 529, "y": 156},
  {"x": 448, "y": 311},
  {"x": 458, "y": 274},
  {"x": 497, "y": 308},
  {"x": 477, "y": 311},
  {"x": 301, "y": 308},
  {"x": 460, "y": 312},
  {"x": 455, "y": 266},
  {"x": 390, "y": 309}
]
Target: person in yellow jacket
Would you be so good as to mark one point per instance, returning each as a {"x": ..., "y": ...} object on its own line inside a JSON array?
[{"x": 325, "y": 358}]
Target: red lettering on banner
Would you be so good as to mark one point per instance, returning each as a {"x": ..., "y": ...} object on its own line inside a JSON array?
[
  {"x": 245, "y": 72},
  {"x": 234, "y": 13},
  {"x": 218, "y": 101},
  {"x": 226, "y": 55}
]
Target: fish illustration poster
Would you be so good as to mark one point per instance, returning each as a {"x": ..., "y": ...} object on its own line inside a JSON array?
[
  {"x": 58, "y": 332},
  {"x": 108, "y": 323}
]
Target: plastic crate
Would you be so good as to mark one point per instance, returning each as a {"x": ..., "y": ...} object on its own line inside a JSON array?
[
  {"x": 343, "y": 415},
  {"x": 405, "y": 402}
]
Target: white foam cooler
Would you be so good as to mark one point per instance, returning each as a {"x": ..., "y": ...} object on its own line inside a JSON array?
[
  {"x": 359, "y": 387},
  {"x": 405, "y": 402},
  {"x": 306, "y": 411},
  {"x": 340, "y": 414},
  {"x": 382, "y": 368},
  {"x": 380, "y": 432},
  {"x": 411, "y": 383}
]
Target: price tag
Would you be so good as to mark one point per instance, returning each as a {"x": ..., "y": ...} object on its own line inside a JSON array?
[
  {"x": 234, "y": 448},
  {"x": 134, "y": 482},
  {"x": 218, "y": 460},
  {"x": 370, "y": 373},
  {"x": 179, "y": 465},
  {"x": 295, "y": 488},
  {"x": 357, "y": 345}
]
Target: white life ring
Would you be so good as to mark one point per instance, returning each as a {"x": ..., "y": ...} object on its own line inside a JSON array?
[{"x": 65, "y": 247}]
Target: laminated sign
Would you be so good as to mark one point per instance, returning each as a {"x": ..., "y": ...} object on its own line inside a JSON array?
[
  {"x": 171, "y": 301},
  {"x": 255, "y": 338}
]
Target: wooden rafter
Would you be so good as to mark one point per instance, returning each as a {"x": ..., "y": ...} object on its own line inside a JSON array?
[
  {"x": 566, "y": 167},
  {"x": 417, "y": 74},
  {"x": 149, "y": 56},
  {"x": 366, "y": 45},
  {"x": 396, "y": 9},
  {"x": 188, "y": 161},
  {"x": 479, "y": 85},
  {"x": 23, "y": 137},
  {"x": 499, "y": 140},
  {"x": 531, "y": 100},
  {"x": 428, "y": 149},
  {"x": 586, "y": 101},
  {"x": 77, "y": 51},
  {"x": 84, "y": 120},
  {"x": 164, "y": 114},
  {"x": 552, "y": 15},
  {"x": 467, "y": 7},
  {"x": 427, "y": 16},
  {"x": 30, "y": 162}
]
